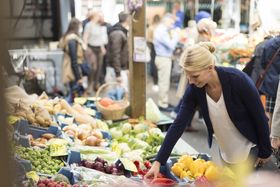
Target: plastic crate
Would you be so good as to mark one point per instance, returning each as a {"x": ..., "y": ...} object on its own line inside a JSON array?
[
  {"x": 67, "y": 173},
  {"x": 22, "y": 129},
  {"x": 75, "y": 158},
  {"x": 166, "y": 169}
]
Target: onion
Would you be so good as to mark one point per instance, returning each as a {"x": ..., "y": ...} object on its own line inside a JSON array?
[
  {"x": 71, "y": 133},
  {"x": 84, "y": 127},
  {"x": 92, "y": 141},
  {"x": 70, "y": 127},
  {"x": 97, "y": 134},
  {"x": 83, "y": 134}
]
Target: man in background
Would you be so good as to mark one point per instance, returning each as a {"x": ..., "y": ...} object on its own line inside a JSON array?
[
  {"x": 118, "y": 51},
  {"x": 179, "y": 15},
  {"x": 164, "y": 45}
]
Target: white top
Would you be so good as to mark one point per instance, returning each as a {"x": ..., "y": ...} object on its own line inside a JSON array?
[
  {"x": 234, "y": 147},
  {"x": 97, "y": 34}
]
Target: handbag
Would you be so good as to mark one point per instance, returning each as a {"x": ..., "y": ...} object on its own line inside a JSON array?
[
  {"x": 85, "y": 68},
  {"x": 248, "y": 69},
  {"x": 265, "y": 70}
]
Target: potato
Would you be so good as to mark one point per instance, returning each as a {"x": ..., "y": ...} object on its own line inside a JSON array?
[{"x": 48, "y": 136}]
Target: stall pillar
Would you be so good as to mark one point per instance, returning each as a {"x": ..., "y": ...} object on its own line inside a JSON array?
[{"x": 137, "y": 70}]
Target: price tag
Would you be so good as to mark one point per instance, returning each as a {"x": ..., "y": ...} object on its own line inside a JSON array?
[
  {"x": 58, "y": 147},
  {"x": 80, "y": 100},
  {"x": 58, "y": 150},
  {"x": 90, "y": 111},
  {"x": 32, "y": 175},
  {"x": 12, "y": 119},
  {"x": 128, "y": 164}
]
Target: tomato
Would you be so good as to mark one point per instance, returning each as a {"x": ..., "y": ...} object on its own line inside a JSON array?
[
  {"x": 106, "y": 101},
  {"x": 163, "y": 182}
]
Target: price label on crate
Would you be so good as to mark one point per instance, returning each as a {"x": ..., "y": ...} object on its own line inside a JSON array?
[
  {"x": 58, "y": 148},
  {"x": 12, "y": 119},
  {"x": 128, "y": 164}
]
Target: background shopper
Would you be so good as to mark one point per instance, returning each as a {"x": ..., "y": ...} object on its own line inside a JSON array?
[{"x": 73, "y": 48}]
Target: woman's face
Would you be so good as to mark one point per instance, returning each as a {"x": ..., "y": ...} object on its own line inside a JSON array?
[{"x": 199, "y": 78}]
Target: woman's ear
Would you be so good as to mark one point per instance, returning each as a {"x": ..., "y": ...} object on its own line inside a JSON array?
[{"x": 211, "y": 67}]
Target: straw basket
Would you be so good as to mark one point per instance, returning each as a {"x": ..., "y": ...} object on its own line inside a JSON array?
[{"x": 112, "y": 113}]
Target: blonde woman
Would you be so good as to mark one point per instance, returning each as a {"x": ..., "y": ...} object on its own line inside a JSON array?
[
  {"x": 95, "y": 37},
  {"x": 230, "y": 105}
]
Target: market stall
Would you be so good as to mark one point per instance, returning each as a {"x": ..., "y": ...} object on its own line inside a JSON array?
[{"x": 60, "y": 143}]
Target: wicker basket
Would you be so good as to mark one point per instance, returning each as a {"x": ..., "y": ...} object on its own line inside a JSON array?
[{"x": 109, "y": 113}]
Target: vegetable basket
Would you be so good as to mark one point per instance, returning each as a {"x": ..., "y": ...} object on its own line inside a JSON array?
[{"x": 116, "y": 112}]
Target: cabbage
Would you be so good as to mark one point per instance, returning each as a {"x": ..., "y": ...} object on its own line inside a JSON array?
[
  {"x": 135, "y": 143},
  {"x": 142, "y": 136},
  {"x": 156, "y": 137},
  {"x": 126, "y": 128},
  {"x": 140, "y": 128},
  {"x": 124, "y": 138},
  {"x": 124, "y": 147},
  {"x": 155, "y": 132},
  {"x": 116, "y": 133}
]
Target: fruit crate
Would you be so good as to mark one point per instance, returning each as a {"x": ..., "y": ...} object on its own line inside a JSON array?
[
  {"x": 67, "y": 173},
  {"x": 23, "y": 129},
  {"x": 166, "y": 169},
  {"x": 32, "y": 162},
  {"x": 75, "y": 158}
]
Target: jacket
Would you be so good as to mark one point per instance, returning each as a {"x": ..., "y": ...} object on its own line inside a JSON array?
[
  {"x": 73, "y": 48},
  {"x": 257, "y": 60},
  {"x": 271, "y": 78},
  {"x": 117, "y": 52},
  {"x": 243, "y": 106}
]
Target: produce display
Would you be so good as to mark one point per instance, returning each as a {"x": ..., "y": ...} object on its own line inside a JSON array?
[
  {"x": 40, "y": 159},
  {"x": 40, "y": 142},
  {"x": 129, "y": 139},
  {"x": 190, "y": 168},
  {"x": 109, "y": 153},
  {"x": 56, "y": 183},
  {"x": 103, "y": 166},
  {"x": 97, "y": 178},
  {"x": 84, "y": 134}
]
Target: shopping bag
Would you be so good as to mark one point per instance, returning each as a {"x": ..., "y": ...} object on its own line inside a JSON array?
[
  {"x": 152, "y": 111},
  {"x": 85, "y": 68}
]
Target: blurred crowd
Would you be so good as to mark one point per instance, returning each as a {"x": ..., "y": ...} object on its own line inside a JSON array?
[{"x": 95, "y": 52}]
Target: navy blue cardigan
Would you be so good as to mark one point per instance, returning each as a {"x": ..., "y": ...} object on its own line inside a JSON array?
[{"x": 243, "y": 105}]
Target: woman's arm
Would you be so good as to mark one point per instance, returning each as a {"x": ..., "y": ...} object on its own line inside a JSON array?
[
  {"x": 72, "y": 45},
  {"x": 175, "y": 131}
]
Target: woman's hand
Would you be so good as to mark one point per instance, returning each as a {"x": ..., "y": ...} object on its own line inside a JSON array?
[
  {"x": 260, "y": 161},
  {"x": 154, "y": 171},
  {"x": 80, "y": 82},
  {"x": 275, "y": 142}
]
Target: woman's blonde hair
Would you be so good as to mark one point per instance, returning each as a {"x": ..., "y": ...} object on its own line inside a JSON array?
[{"x": 198, "y": 57}]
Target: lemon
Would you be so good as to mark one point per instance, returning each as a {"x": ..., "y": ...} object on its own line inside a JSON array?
[
  {"x": 186, "y": 160},
  {"x": 176, "y": 170},
  {"x": 212, "y": 173}
]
